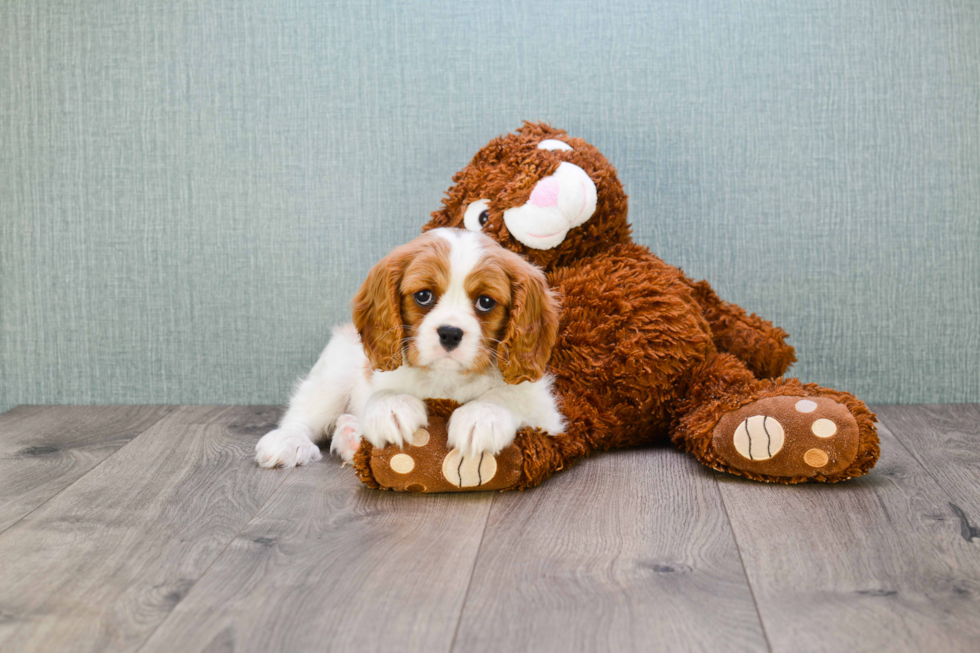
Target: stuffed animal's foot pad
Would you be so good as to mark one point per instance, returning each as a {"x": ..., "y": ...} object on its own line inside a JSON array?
[
  {"x": 788, "y": 436},
  {"x": 429, "y": 465}
]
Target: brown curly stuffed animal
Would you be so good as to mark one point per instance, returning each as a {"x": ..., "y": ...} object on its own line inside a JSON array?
[{"x": 644, "y": 353}]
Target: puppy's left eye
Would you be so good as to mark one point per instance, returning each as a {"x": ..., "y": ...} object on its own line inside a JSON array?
[
  {"x": 485, "y": 304},
  {"x": 423, "y": 297}
]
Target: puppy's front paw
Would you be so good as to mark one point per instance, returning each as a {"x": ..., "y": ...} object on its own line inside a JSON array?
[
  {"x": 481, "y": 427},
  {"x": 286, "y": 447},
  {"x": 393, "y": 419},
  {"x": 346, "y": 437}
]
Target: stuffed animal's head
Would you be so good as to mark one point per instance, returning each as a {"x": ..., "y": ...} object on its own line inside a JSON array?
[{"x": 538, "y": 192}]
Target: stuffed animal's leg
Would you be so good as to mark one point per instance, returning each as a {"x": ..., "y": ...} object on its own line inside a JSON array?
[
  {"x": 752, "y": 340},
  {"x": 775, "y": 430},
  {"x": 545, "y": 454}
]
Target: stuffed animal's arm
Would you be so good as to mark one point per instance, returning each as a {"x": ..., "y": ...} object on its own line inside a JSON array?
[{"x": 754, "y": 341}]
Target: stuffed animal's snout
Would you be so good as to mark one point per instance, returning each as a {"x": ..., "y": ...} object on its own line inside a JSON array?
[{"x": 558, "y": 203}]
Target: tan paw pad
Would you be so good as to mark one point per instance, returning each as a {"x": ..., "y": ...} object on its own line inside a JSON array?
[
  {"x": 759, "y": 437},
  {"x": 805, "y": 406},
  {"x": 420, "y": 438},
  {"x": 816, "y": 458},
  {"x": 402, "y": 463},
  {"x": 469, "y": 471},
  {"x": 823, "y": 428}
]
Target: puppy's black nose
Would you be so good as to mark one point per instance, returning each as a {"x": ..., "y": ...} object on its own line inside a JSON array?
[{"x": 449, "y": 337}]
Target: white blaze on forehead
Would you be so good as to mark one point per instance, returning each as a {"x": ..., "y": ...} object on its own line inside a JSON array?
[
  {"x": 453, "y": 307},
  {"x": 552, "y": 144},
  {"x": 465, "y": 251}
]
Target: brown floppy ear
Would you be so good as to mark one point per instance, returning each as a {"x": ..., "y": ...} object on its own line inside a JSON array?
[
  {"x": 523, "y": 353},
  {"x": 378, "y": 316}
]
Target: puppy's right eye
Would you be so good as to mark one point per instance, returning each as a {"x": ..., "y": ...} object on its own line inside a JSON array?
[{"x": 423, "y": 297}]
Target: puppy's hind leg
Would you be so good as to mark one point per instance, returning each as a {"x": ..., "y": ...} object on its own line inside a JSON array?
[{"x": 317, "y": 402}]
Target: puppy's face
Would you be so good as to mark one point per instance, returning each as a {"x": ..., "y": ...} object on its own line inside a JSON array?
[{"x": 453, "y": 300}]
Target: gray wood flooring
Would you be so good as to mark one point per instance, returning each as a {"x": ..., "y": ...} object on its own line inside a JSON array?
[{"x": 148, "y": 528}]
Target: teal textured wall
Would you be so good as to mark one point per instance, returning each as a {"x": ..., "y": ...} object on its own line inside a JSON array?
[{"x": 191, "y": 191}]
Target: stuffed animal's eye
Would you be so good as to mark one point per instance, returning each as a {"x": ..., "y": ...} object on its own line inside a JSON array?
[
  {"x": 423, "y": 297},
  {"x": 485, "y": 304},
  {"x": 476, "y": 215}
]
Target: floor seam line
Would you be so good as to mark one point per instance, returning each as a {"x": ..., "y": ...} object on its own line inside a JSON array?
[
  {"x": 741, "y": 561},
  {"x": 469, "y": 581}
]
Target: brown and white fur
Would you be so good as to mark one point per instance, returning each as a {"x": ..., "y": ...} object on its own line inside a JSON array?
[{"x": 449, "y": 315}]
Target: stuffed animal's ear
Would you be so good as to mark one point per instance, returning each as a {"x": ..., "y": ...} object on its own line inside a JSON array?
[
  {"x": 523, "y": 353},
  {"x": 439, "y": 219},
  {"x": 377, "y": 314}
]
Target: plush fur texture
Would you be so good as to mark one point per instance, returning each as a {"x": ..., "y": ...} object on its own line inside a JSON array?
[{"x": 642, "y": 352}]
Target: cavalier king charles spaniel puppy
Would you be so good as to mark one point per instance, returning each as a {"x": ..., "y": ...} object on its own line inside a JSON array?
[{"x": 450, "y": 315}]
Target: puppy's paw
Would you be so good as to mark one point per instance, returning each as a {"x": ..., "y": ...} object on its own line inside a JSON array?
[
  {"x": 286, "y": 447},
  {"x": 481, "y": 427},
  {"x": 346, "y": 437},
  {"x": 393, "y": 419}
]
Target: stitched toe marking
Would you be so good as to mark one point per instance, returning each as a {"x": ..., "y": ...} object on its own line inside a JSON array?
[
  {"x": 420, "y": 438},
  {"x": 402, "y": 463},
  {"x": 823, "y": 428},
  {"x": 468, "y": 471},
  {"x": 759, "y": 437},
  {"x": 806, "y": 406},
  {"x": 816, "y": 458}
]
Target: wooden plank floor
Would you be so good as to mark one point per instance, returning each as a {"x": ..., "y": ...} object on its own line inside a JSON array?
[{"x": 150, "y": 529}]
